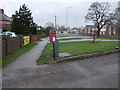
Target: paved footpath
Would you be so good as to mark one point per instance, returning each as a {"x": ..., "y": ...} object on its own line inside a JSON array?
[
  {"x": 29, "y": 58},
  {"x": 98, "y": 72}
]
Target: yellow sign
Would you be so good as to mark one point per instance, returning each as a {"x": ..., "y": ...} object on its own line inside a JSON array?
[{"x": 26, "y": 40}]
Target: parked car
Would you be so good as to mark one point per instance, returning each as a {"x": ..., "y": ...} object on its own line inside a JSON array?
[{"x": 10, "y": 34}]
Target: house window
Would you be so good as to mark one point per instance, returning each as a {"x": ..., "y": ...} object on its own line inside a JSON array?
[
  {"x": 102, "y": 33},
  {"x": 114, "y": 32},
  {"x": 109, "y": 32}
]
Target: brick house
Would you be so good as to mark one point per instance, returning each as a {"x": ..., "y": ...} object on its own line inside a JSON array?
[
  {"x": 106, "y": 30},
  {"x": 4, "y": 20}
]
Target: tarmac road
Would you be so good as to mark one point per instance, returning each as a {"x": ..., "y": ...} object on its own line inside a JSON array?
[{"x": 98, "y": 72}]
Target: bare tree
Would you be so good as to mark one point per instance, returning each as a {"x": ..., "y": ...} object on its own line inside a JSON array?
[
  {"x": 115, "y": 19},
  {"x": 49, "y": 24},
  {"x": 112, "y": 21},
  {"x": 98, "y": 13},
  {"x": 117, "y": 13}
]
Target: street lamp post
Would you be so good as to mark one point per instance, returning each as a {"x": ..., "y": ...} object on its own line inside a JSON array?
[{"x": 67, "y": 17}]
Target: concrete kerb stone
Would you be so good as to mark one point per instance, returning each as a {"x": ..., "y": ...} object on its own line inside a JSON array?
[{"x": 84, "y": 56}]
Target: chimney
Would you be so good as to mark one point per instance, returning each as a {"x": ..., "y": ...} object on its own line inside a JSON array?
[{"x": 2, "y": 11}]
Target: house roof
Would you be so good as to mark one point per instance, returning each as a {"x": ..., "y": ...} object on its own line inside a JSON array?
[
  {"x": 39, "y": 26},
  {"x": 4, "y": 17},
  {"x": 90, "y": 26}
]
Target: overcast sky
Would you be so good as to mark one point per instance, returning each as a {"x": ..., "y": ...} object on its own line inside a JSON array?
[{"x": 44, "y": 11}]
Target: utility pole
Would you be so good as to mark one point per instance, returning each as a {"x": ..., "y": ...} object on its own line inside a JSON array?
[
  {"x": 67, "y": 17},
  {"x": 55, "y": 23}
]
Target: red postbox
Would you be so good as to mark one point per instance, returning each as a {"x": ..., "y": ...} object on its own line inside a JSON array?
[{"x": 52, "y": 35}]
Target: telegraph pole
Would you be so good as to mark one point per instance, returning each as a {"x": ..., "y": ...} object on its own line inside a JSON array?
[
  {"x": 55, "y": 23},
  {"x": 67, "y": 17}
]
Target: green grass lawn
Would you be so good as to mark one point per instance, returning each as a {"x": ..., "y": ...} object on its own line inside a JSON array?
[
  {"x": 77, "y": 48},
  {"x": 69, "y": 39},
  {"x": 107, "y": 37},
  {"x": 39, "y": 40},
  {"x": 64, "y": 35},
  {"x": 11, "y": 57},
  {"x": 0, "y": 62}
]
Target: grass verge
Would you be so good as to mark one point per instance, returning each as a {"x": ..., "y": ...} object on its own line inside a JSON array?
[
  {"x": 102, "y": 36},
  {"x": 11, "y": 57},
  {"x": 64, "y": 35},
  {"x": 69, "y": 39},
  {"x": 39, "y": 40},
  {"x": 107, "y": 37},
  {"x": 77, "y": 48}
]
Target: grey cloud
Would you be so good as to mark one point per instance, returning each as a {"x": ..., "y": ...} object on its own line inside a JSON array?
[{"x": 44, "y": 12}]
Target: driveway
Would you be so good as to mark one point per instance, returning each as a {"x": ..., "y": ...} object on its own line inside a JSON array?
[{"x": 98, "y": 72}]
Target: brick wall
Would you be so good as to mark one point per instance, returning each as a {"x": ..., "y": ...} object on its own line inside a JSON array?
[
  {"x": 13, "y": 44},
  {"x": 39, "y": 36},
  {"x": 9, "y": 45},
  {"x": 107, "y": 32},
  {"x": 118, "y": 31},
  {"x": 35, "y": 37},
  {"x": 4, "y": 47}
]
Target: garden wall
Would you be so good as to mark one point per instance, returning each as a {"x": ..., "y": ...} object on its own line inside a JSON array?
[{"x": 9, "y": 45}]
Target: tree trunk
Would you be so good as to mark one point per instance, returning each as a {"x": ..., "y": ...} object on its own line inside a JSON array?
[
  {"x": 94, "y": 38},
  {"x": 98, "y": 33},
  {"x": 112, "y": 30}
]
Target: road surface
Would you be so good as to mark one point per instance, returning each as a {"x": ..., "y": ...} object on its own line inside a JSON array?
[{"x": 98, "y": 72}]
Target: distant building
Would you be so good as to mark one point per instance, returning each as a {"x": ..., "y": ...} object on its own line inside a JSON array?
[
  {"x": 119, "y": 4},
  {"x": 4, "y": 20},
  {"x": 39, "y": 27},
  {"x": 106, "y": 30},
  {"x": 68, "y": 31}
]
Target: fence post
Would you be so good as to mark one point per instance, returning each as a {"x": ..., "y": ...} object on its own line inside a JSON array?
[{"x": 21, "y": 40}]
